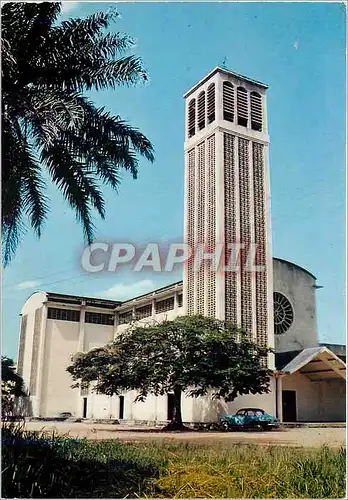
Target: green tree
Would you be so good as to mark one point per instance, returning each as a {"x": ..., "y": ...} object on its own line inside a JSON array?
[
  {"x": 194, "y": 355},
  {"x": 50, "y": 129},
  {"x": 12, "y": 385}
]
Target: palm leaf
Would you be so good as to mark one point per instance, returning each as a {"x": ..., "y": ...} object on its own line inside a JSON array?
[{"x": 48, "y": 123}]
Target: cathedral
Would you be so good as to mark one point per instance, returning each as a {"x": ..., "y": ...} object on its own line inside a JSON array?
[{"x": 227, "y": 198}]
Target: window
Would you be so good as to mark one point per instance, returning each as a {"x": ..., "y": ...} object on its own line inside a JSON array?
[
  {"x": 125, "y": 317},
  {"x": 99, "y": 318},
  {"x": 259, "y": 413},
  {"x": 191, "y": 118},
  {"x": 180, "y": 300},
  {"x": 63, "y": 314},
  {"x": 228, "y": 101},
  {"x": 201, "y": 110},
  {"x": 165, "y": 305},
  {"x": 283, "y": 313},
  {"x": 143, "y": 312},
  {"x": 242, "y": 106},
  {"x": 211, "y": 103},
  {"x": 256, "y": 111}
]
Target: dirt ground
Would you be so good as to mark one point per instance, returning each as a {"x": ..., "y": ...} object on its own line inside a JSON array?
[{"x": 307, "y": 437}]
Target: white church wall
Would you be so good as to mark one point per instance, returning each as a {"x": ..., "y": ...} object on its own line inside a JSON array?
[
  {"x": 99, "y": 406},
  {"x": 153, "y": 408},
  {"x": 97, "y": 335},
  {"x": 332, "y": 401},
  {"x": 33, "y": 303},
  {"x": 207, "y": 410},
  {"x": 298, "y": 287},
  {"x": 57, "y": 395},
  {"x": 169, "y": 315}
]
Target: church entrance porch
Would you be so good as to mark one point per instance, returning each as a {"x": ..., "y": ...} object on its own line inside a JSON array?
[{"x": 312, "y": 388}]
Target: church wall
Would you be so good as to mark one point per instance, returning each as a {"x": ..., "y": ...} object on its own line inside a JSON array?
[
  {"x": 61, "y": 341},
  {"x": 97, "y": 335},
  {"x": 332, "y": 401},
  {"x": 33, "y": 303},
  {"x": 99, "y": 406},
  {"x": 298, "y": 287},
  {"x": 157, "y": 318},
  {"x": 153, "y": 408},
  {"x": 206, "y": 410}
]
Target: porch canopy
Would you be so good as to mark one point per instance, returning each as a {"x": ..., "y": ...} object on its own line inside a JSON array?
[{"x": 317, "y": 363}]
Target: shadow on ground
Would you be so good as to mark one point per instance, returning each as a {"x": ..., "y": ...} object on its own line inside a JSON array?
[{"x": 59, "y": 468}]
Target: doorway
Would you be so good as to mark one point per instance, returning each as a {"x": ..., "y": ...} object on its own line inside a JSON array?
[
  {"x": 84, "y": 412},
  {"x": 289, "y": 406},
  {"x": 121, "y": 408},
  {"x": 170, "y": 406}
]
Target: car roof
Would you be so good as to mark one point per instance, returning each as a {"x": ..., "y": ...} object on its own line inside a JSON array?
[{"x": 252, "y": 409}]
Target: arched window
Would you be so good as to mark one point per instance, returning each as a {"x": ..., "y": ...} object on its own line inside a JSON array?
[
  {"x": 242, "y": 106},
  {"x": 211, "y": 103},
  {"x": 256, "y": 111},
  {"x": 228, "y": 101},
  {"x": 192, "y": 117},
  {"x": 201, "y": 110}
]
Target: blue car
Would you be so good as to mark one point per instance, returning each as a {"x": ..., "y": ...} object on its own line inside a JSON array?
[{"x": 249, "y": 418}]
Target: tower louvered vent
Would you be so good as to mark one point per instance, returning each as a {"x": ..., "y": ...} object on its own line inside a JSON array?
[
  {"x": 256, "y": 111},
  {"x": 201, "y": 110},
  {"x": 211, "y": 103},
  {"x": 228, "y": 101},
  {"x": 242, "y": 106},
  {"x": 191, "y": 117}
]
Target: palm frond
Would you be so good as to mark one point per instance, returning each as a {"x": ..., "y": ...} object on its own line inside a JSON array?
[
  {"x": 35, "y": 202},
  {"x": 47, "y": 121},
  {"x": 77, "y": 187}
]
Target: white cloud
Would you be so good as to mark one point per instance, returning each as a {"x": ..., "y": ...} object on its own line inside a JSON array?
[
  {"x": 124, "y": 292},
  {"x": 27, "y": 284},
  {"x": 67, "y": 7}
]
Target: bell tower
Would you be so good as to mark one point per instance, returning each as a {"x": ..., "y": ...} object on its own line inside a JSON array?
[{"x": 227, "y": 198}]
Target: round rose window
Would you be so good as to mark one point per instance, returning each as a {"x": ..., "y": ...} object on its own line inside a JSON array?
[{"x": 283, "y": 313}]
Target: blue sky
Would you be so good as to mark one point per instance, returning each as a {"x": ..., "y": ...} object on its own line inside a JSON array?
[{"x": 298, "y": 49}]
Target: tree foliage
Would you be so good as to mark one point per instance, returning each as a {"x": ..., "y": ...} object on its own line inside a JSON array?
[
  {"x": 12, "y": 385},
  {"x": 194, "y": 355},
  {"x": 51, "y": 129}
]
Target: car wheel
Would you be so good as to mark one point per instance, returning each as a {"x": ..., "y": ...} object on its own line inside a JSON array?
[
  {"x": 214, "y": 427},
  {"x": 224, "y": 426}
]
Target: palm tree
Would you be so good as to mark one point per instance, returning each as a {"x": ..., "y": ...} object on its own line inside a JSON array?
[{"x": 50, "y": 128}]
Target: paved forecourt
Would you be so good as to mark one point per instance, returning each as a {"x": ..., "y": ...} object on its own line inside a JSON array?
[{"x": 304, "y": 436}]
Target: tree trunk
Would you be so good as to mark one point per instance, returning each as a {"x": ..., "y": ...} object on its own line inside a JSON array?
[{"x": 176, "y": 423}]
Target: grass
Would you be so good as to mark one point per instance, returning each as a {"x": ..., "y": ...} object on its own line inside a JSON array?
[{"x": 37, "y": 466}]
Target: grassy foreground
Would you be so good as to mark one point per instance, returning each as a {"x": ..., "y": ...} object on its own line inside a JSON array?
[{"x": 61, "y": 467}]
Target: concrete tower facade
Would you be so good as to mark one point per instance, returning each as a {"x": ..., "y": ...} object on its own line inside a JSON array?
[{"x": 227, "y": 201}]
